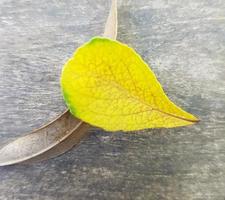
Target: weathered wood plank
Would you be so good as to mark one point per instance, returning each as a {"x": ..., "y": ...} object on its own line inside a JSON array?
[{"x": 185, "y": 44}]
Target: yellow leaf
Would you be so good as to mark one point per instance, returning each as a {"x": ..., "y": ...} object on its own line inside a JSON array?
[{"x": 107, "y": 84}]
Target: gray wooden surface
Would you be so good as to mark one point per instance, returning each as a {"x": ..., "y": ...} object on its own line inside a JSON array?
[{"x": 184, "y": 40}]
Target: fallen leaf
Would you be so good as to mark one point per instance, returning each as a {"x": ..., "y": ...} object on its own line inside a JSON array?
[
  {"x": 107, "y": 84},
  {"x": 44, "y": 141}
]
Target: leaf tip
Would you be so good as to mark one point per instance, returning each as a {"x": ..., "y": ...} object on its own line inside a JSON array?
[{"x": 195, "y": 119}]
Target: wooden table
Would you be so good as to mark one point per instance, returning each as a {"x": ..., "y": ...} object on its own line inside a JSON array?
[{"x": 184, "y": 41}]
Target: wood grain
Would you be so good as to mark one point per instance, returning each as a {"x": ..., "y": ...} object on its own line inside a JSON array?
[{"x": 185, "y": 45}]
